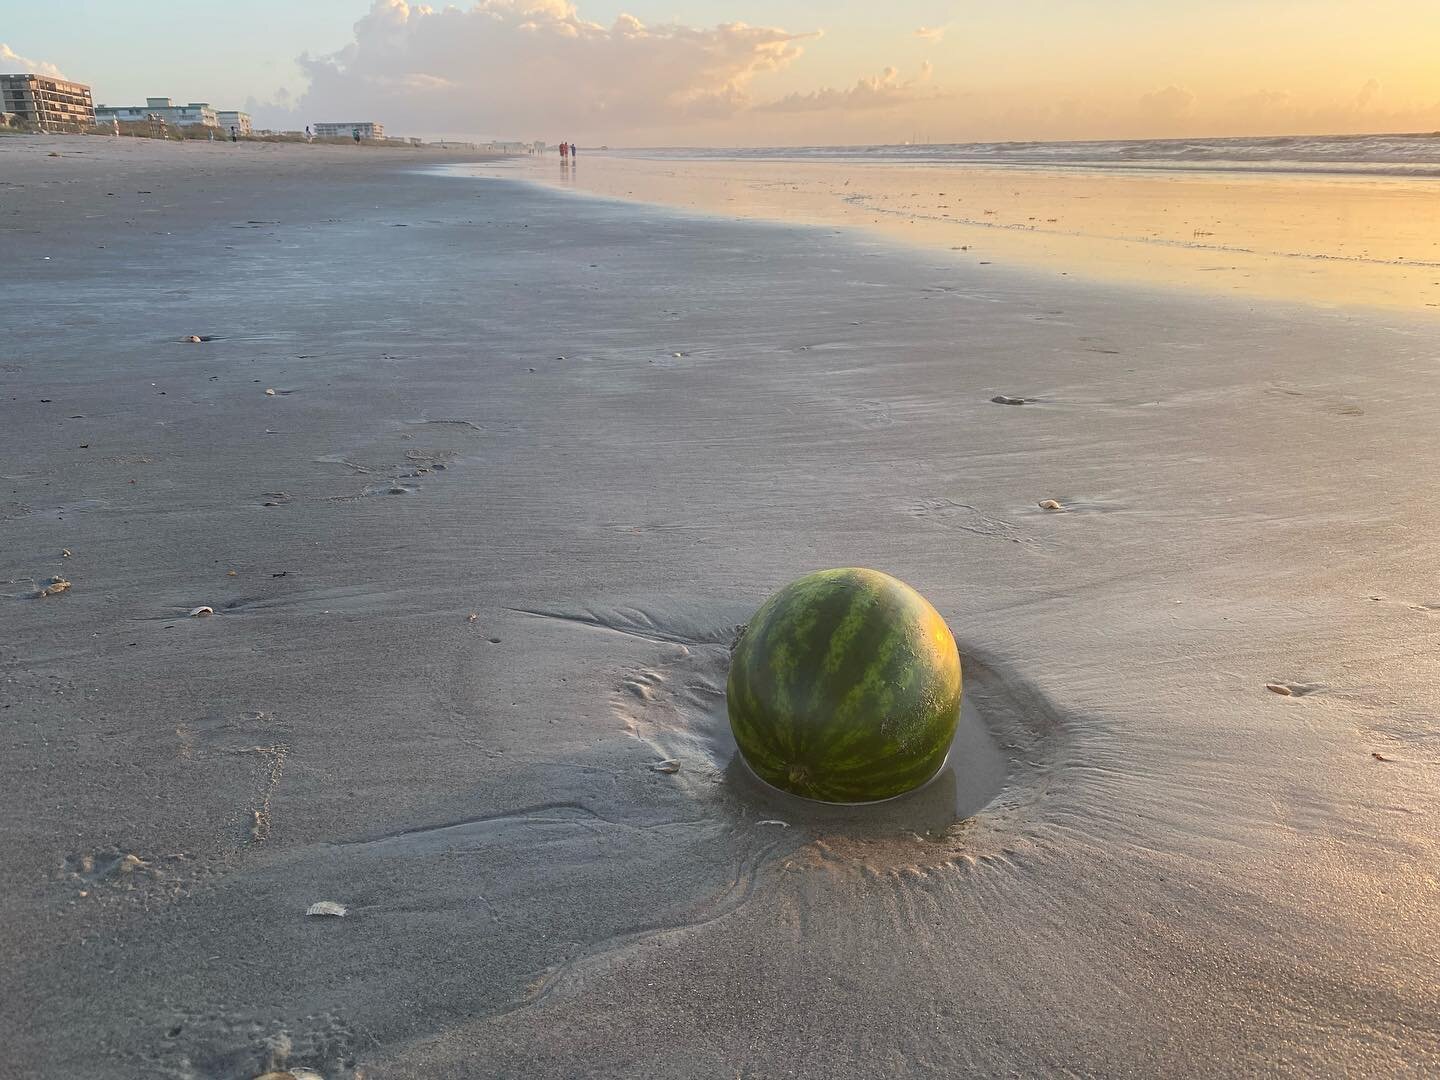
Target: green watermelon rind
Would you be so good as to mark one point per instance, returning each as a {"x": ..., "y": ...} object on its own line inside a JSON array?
[
  {"x": 862, "y": 712},
  {"x": 854, "y": 802}
]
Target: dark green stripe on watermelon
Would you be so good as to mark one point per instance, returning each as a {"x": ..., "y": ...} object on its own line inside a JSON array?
[{"x": 845, "y": 687}]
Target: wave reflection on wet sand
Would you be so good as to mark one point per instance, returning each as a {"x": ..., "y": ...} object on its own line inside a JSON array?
[{"x": 1326, "y": 238}]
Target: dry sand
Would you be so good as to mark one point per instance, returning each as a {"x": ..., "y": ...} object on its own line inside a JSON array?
[{"x": 474, "y": 568}]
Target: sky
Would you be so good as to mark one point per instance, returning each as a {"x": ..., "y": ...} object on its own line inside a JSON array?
[{"x": 742, "y": 72}]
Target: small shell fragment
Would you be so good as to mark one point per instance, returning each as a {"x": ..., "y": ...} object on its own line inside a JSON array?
[
  {"x": 327, "y": 907},
  {"x": 1279, "y": 688},
  {"x": 54, "y": 587},
  {"x": 774, "y": 821},
  {"x": 193, "y": 339},
  {"x": 666, "y": 766},
  {"x": 1051, "y": 504},
  {"x": 200, "y": 612},
  {"x": 270, "y": 391}
]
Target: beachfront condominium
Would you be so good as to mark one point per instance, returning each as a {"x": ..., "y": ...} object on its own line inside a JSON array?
[
  {"x": 367, "y": 129},
  {"x": 240, "y": 121},
  {"x": 196, "y": 114},
  {"x": 46, "y": 103}
]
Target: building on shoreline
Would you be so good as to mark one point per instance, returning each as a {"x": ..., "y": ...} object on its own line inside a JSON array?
[
  {"x": 48, "y": 104},
  {"x": 233, "y": 118},
  {"x": 196, "y": 114},
  {"x": 368, "y": 129}
]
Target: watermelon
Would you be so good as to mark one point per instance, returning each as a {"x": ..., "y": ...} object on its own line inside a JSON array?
[{"x": 845, "y": 688}]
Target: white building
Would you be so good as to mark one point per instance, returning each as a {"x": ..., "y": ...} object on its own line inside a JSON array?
[
  {"x": 368, "y": 129},
  {"x": 196, "y": 114},
  {"x": 240, "y": 121}
]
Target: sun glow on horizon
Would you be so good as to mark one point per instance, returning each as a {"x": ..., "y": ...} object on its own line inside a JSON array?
[{"x": 736, "y": 72}]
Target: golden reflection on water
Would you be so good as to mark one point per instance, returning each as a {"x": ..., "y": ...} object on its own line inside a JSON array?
[{"x": 1332, "y": 240}]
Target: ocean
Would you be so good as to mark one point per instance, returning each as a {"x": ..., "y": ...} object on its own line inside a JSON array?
[{"x": 1384, "y": 155}]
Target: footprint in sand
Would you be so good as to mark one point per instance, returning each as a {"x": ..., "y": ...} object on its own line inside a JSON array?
[
  {"x": 442, "y": 446},
  {"x": 390, "y": 489},
  {"x": 425, "y": 462},
  {"x": 111, "y": 865},
  {"x": 875, "y": 414},
  {"x": 643, "y": 684},
  {"x": 193, "y": 1041}
]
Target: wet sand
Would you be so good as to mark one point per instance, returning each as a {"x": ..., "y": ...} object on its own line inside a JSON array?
[
  {"x": 475, "y": 567},
  {"x": 1338, "y": 241}
]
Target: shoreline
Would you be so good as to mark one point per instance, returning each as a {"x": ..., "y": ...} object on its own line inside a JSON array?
[
  {"x": 1337, "y": 242},
  {"x": 528, "y": 462}
]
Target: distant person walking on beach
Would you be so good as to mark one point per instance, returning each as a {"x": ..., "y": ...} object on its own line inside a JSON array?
[
  {"x": 309, "y": 138},
  {"x": 355, "y": 134},
  {"x": 574, "y": 151},
  {"x": 564, "y": 151},
  {"x": 234, "y": 133}
]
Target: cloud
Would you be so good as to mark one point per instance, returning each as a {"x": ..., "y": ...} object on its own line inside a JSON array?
[
  {"x": 1171, "y": 103},
  {"x": 13, "y": 63},
  {"x": 535, "y": 68},
  {"x": 278, "y": 112},
  {"x": 1279, "y": 111},
  {"x": 1262, "y": 102},
  {"x": 883, "y": 91},
  {"x": 931, "y": 33}
]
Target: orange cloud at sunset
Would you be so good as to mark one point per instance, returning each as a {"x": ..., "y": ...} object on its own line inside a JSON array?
[{"x": 523, "y": 68}]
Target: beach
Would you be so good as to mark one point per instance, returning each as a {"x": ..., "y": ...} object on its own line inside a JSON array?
[
  {"x": 1354, "y": 232},
  {"x": 479, "y": 480}
]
